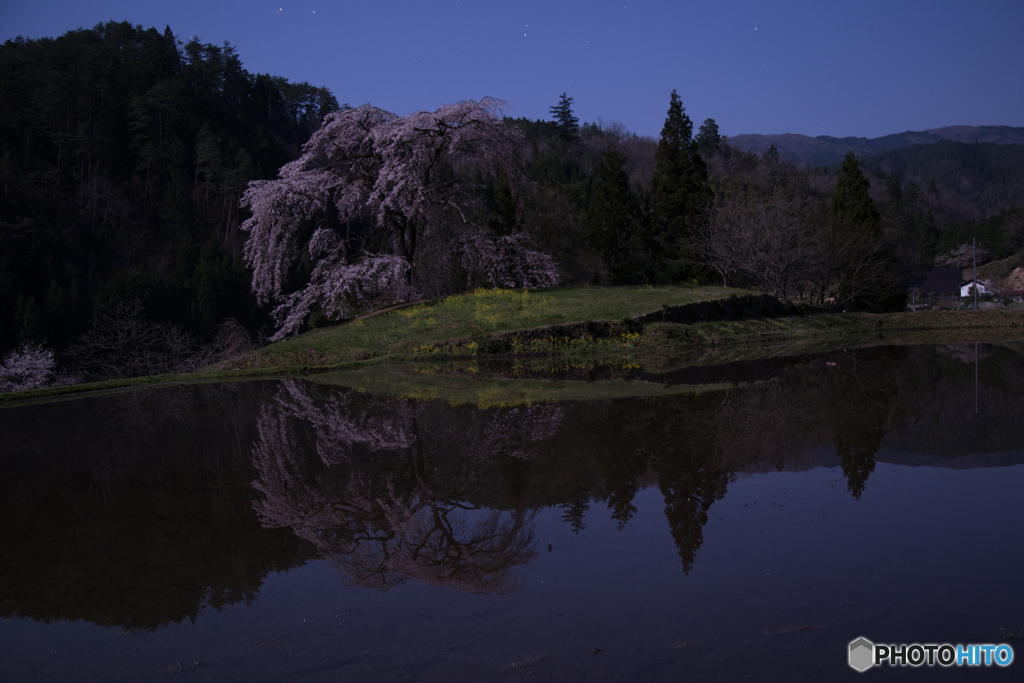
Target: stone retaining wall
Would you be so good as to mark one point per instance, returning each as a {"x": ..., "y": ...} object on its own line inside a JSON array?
[{"x": 733, "y": 308}]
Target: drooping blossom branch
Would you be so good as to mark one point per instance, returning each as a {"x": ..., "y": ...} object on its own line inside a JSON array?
[
  {"x": 404, "y": 177},
  {"x": 506, "y": 262},
  {"x": 278, "y": 208},
  {"x": 340, "y": 289}
]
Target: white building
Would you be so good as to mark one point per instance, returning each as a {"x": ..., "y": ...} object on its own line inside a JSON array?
[{"x": 984, "y": 287}]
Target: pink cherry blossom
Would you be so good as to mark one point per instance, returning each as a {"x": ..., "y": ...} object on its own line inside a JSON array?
[
  {"x": 404, "y": 177},
  {"x": 29, "y": 367}
]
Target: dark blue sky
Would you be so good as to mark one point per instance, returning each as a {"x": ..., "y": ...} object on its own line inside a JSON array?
[{"x": 815, "y": 67}]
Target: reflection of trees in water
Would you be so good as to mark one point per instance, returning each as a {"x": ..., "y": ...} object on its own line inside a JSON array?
[
  {"x": 761, "y": 424},
  {"x": 687, "y": 457},
  {"x": 380, "y": 485},
  {"x": 859, "y": 393},
  {"x": 690, "y": 485},
  {"x": 576, "y": 508},
  {"x": 845, "y": 400},
  {"x": 148, "y": 495},
  {"x": 134, "y": 521},
  {"x": 384, "y": 497},
  {"x": 137, "y": 410},
  {"x": 403, "y": 459},
  {"x": 948, "y": 406}
]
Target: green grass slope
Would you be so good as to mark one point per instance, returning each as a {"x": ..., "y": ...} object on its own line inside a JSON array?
[{"x": 398, "y": 334}]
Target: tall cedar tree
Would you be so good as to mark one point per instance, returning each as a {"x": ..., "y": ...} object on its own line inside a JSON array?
[
  {"x": 772, "y": 169},
  {"x": 615, "y": 220},
  {"x": 851, "y": 201},
  {"x": 679, "y": 189},
  {"x": 708, "y": 138},
  {"x": 568, "y": 124},
  {"x": 867, "y": 276}
]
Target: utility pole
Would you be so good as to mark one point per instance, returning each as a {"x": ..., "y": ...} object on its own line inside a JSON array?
[
  {"x": 975, "y": 240},
  {"x": 975, "y": 378}
]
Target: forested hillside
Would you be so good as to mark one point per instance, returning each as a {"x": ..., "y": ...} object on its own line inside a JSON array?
[
  {"x": 129, "y": 161},
  {"x": 123, "y": 155},
  {"x": 826, "y": 150},
  {"x": 966, "y": 181}
]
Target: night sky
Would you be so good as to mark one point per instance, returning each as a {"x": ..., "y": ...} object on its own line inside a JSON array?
[{"x": 818, "y": 67}]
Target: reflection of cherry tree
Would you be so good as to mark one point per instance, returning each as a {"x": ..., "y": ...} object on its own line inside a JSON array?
[
  {"x": 439, "y": 543},
  {"x": 384, "y": 497},
  {"x": 342, "y": 428}
]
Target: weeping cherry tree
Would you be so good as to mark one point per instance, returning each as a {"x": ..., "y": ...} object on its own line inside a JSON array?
[{"x": 369, "y": 195}]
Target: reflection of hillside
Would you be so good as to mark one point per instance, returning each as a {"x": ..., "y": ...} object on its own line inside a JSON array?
[
  {"x": 378, "y": 475},
  {"x": 138, "y": 510},
  {"x": 380, "y": 491},
  {"x": 945, "y": 414},
  {"x": 132, "y": 523}
]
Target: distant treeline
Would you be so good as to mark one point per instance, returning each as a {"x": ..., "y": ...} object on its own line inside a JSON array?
[{"x": 930, "y": 199}]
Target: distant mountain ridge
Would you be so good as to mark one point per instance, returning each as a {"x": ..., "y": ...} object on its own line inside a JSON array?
[{"x": 825, "y": 150}]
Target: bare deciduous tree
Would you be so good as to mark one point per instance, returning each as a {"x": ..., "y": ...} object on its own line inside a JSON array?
[
  {"x": 124, "y": 343},
  {"x": 763, "y": 241},
  {"x": 850, "y": 268},
  {"x": 716, "y": 240},
  {"x": 232, "y": 339}
]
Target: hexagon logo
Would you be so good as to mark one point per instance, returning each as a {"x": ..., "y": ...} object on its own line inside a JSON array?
[{"x": 862, "y": 654}]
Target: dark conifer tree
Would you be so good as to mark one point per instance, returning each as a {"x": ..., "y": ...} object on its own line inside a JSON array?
[
  {"x": 679, "y": 189},
  {"x": 866, "y": 273},
  {"x": 851, "y": 201},
  {"x": 568, "y": 124},
  {"x": 615, "y": 220},
  {"x": 708, "y": 138},
  {"x": 772, "y": 172}
]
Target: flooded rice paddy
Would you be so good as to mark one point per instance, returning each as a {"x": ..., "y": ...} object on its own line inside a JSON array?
[{"x": 748, "y": 528}]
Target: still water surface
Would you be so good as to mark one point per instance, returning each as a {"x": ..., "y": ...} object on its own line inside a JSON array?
[{"x": 293, "y": 531}]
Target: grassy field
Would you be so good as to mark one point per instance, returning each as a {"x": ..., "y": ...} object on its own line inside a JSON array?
[
  {"x": 416, "y": 331},
  {"x": 452, "y": 327},
  {"x": 666, "y": 346},
  {"x": 412, "y": 351}
]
